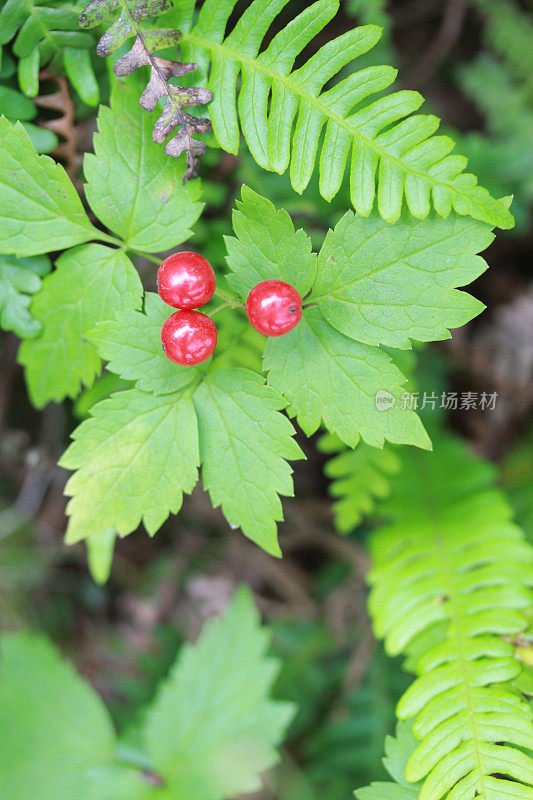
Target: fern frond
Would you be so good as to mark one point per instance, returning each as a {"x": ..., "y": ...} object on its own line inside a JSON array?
[
  {"x": 451, "y": 583},
  {"x": 359, "y": 477},
  {"x": 147, "y": 41},
  {"x": 283, "y": 112}
]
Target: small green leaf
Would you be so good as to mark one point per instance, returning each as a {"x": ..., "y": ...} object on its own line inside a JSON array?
[
  {"x": 39, "y": 208},
  {"x": 14, "y": 105},
  {"x": 28, "y": 74},
  {"x": 267, "y": 246},
  {"x": 388, "y": 284},
  {"x": 42, "y": 139},
  {"x": 213, "y": 728},
  {"x": 328, "y": 377},
  {"x": 61, "y": 738},
  {"x": 19, "y": 279},
  {"x": 91, "y": 283},
  {"x": 244, "y": 444},
  {"x": 132, "y": 345},
  {"x": 133, "y": 187},
  {"x": 359, "y": 479},
  {"x": 80, "y": 73},
  {"x": 134, "y": 458}
]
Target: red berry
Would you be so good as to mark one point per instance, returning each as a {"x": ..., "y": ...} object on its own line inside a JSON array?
[
  {"x": 186, "y": 281},
  {"x": 189, "y": 338},
  {"x": 274, "y": 308}
]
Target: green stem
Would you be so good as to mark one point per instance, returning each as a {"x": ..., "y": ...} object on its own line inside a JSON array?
[
  {"x": 105, "y": 237},
  {"x": 153, "y": 259},
  {"x": 217, "y": 309},
  {"x": 229, "y": 299}
]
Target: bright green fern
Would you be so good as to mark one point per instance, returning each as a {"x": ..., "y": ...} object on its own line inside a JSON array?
[
  {"x": 283, "y": 112},
  {"x": 450, "y": 588},
  {"x": 359, "y": 478}
]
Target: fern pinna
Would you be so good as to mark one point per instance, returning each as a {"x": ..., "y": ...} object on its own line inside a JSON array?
[
  {"x": 450, "y": 588},
  {"x": 283, "y": 111}
]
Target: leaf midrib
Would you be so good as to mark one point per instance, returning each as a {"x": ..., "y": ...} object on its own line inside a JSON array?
[
  {"x": 297, "y": 89},
  {"x": 456, "y": 619}
]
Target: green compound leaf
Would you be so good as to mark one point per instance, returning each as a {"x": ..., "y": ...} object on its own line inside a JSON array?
[
  {"x": 329, "y": 378},
  {"x": 213, "y": 728},
  {"x": 384, "y": 284},
  {"x": 133, "y": 187},
  {"x": 132, "y": 344},
  {"x": 266, "y": 246},
  {"x": 91, "y": 283},
  {"x": 134, "y": 458},
  {"x": 451, "y": 588},
  {"x": 139, "y": 452},
  {"x": 359, "y": 479},
  {"x": 39, "y": 207},
  {"x": 244, "y": 442},
  {"x": 288, "y": 115},
  {"x": 19, "y": 279},
  {"x": 61, "y": 737}
]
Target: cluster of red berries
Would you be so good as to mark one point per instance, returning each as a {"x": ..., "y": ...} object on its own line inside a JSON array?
[{"x": 186, "y": 281}]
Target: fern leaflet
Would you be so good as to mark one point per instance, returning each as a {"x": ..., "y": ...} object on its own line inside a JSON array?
[
  {"x": 359, "y": 477},
  {"x": 450, "y": 587},
  {"x": 383, "y": 137}
]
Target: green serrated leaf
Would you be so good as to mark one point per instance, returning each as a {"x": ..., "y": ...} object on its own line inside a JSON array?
[
  {"x": 91, "y": 283},
  {"x": 244, "y": 442},
  {"x": 389, "y": 284},
  {"x": 328, "y": 377},
  {"x": 213, "y": 728},
  {"x": 132, "y": 344},
  {"x": 61, "y": 737},
  {"x": 39, "y": 208},
  {"x": 267, "y": 246},
  {"x": 134, "y": 458},
  {"x": 19, "y": 279},
  {"x": 132, "y": 185}
]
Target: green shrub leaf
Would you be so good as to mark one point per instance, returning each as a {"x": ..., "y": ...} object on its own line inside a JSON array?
[
  {"x": 61, "y": 737},
  {"x": 266, "y": 246},
  {"x": 244, "y": 442},
  {"x": 19, "y": 279},
  {"x": 132, "y": 345},
  {"x": 213, "y": 729},
  {"x": 39, "y": 208},
  {"x": 330, "y": 378},
  {"x": 134, "y": 458},
  {"x": 90, "y": 284},
  {"x": 389, "y": 284},
  {"x": 134, "y": 188}
]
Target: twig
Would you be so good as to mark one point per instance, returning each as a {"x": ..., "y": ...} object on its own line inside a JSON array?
[{"x": 442, "y": 45}]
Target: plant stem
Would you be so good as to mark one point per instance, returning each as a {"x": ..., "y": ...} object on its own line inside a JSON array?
[{"x": 229, "y": 299}]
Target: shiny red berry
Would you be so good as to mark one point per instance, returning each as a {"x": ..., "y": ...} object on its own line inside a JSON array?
[
  {"x": 186, "y": 281},
  {"x": 274, "y": 308},
  {"x": 189, "y": 338}
]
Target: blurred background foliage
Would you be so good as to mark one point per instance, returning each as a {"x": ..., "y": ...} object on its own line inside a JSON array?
[{"x": 473, "y": 61}]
